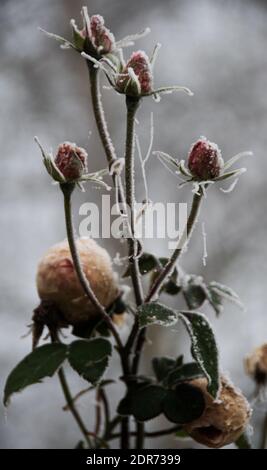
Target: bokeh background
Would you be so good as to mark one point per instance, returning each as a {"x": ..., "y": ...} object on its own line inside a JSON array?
[{"x": 218, "y": 49}]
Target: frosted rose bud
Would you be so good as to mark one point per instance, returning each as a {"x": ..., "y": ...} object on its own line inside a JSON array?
[
  {"x": 224, "y": 419},
  {"x": 71, "y": 161},
  {"x": 57, "y": 281},
  {"x": 205, "y": 160},
  {"x": 138, "y": 80},
  {"x": 102, "y": 39},
  {"x": 256, "y": 364}
]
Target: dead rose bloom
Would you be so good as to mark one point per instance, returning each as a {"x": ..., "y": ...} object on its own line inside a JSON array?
[
  {"x": 256, "y": 364},
  {"x": 71, "y": 161},
  {"x": 224, "y": 419},
  {"x": 205, "y": 160},
  {"x": 57, "y": 281}
]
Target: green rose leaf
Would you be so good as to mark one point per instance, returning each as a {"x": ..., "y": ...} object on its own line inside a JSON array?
[
  {"x": 184, "y": 404},
  {"x": 90, "y": 358},
  {"x": 218, "y": 293},
  {"x": 147, "y": 263},
  {"x": 157, "y": 314},
  {"x": 194, "y": 292},
  {"x": 148, "y": 402},
  {"x": 163, "y": 365},
  {"x": 188, "y": 371},
  {"x": 170, "y": 287},
  {"x": 42, "y": 362},
  {"x": 204, "y": 347}
]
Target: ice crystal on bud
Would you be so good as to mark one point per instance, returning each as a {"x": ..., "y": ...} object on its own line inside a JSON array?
[
  {"x": 136, "y": 77},
  {"x": 71, "y": 161},
  {"x": 101, "y": 37},
  {"x": 205, "y": 160}
]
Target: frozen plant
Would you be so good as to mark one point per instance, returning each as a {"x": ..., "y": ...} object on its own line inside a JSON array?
[{"x": 78, "y": 287}]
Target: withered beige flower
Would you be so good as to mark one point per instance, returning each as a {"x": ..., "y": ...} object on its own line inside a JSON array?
[
  {"x": 256, "y": 364},
  {"x": 57, "y": 280},
  {"x": 224, "y": 419}
]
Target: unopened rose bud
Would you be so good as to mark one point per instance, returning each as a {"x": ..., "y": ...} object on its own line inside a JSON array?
[
  {"x": 71, "y": 161},
  {"x": 136, "y": 78},
  {"x": 57, "y": 281},
  {"x": 256, "y": 364},
  {"x": 102, "y": 39},
  {"x": 94, "y": 38},
  {"x": 224, "y": 419},
  {"x": 205, "y": 160}
]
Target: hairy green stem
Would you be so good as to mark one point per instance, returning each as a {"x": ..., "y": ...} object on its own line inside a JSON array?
[
  {"x": 67, "y": 189},
  {"x": 132, "y": 106},
  {"x": 178, "y": 250},
  {"x": 163, "y": 432},
  {"x": 71, "y": 406},
  {"x": 164, "y": 274},
  {"x": 99, "y": 113}
]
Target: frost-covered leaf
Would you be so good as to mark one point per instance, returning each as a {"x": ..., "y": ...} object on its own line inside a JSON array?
[
  {"x": 194, "y": 291},
  {"x": 184, "y": 404},
  {"x": 162, "y": 366},
  {"x": 204, "y": 347},
  {"x": 217, "y": 293},
  {"x": 147, "y": 262},
  {"x": 188, "y": 371},
  {"x": 194, "y": 295},
  {"x": 42, "y": 362},
  {"x": 171, "y": 286},
  {"x": 148, "y": 402},
  {"x": 156, "y": 313},
  {"x": 90, "y": 358},
  {"x": 215, "y": 300}
]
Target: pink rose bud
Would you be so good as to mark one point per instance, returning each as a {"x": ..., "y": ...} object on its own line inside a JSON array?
[
  {"x": 71, "y": 161},
  {"x": 138, "y": 80},
  {"x": 103, "y": 40},
  {"x": 205, "y": 160}
]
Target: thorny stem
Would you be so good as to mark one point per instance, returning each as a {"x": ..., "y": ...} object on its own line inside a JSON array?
[
  {"x": 132, "y": 106},
  {"x": 97, "y": 412},
  {"x": 179, "y": 249},
  {"x": 101, "y": 124},
  {"x": 67, "y": 189},
  {"x": 164, "y": 274},
  {"x": 104, "y": 400},
  {"x": 69, "y": 399},
  {"x": 71, "y": 406},
  {"x": 163, "y": 432},
  {"x": 99, "y": 113}
]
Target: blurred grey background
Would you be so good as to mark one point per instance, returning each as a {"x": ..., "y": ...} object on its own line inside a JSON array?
[{"x": 218, "y": 49}]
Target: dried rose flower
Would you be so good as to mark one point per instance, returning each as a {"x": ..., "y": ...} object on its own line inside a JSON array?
[
  {"x": 57, "y": 281},
  {"x": 136, "y": 77},
  {"x": 71, "y": 161},
  {"x": 224, "y": 419},
  {"x": 256, "y": 364},
  {"x": 205, "y": 160}
]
